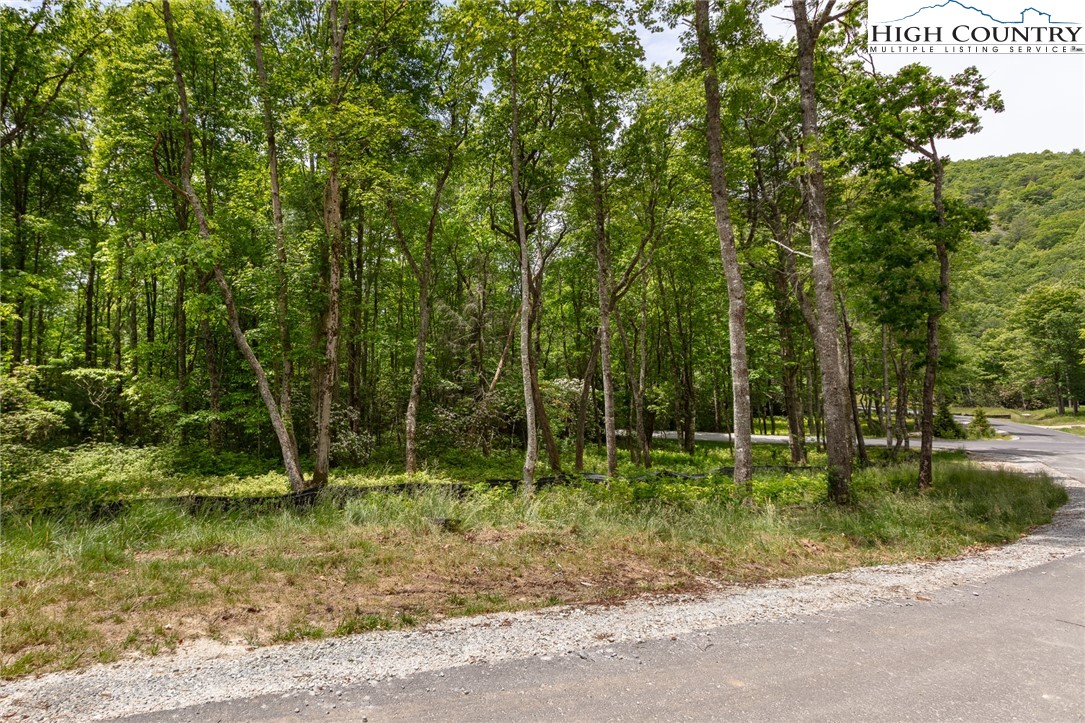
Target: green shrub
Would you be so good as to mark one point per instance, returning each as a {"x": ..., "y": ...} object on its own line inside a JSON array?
[
  {"x": 25, "y": 417},
  {"x": 945, "y": 426},
  {"x": 979, "y": 427}
]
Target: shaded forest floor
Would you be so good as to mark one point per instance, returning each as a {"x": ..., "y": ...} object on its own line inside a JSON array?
[{"x": 79, "y": 588}]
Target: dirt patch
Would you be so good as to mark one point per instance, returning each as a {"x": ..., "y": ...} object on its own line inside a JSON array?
[{"x": 132, "y": 611}]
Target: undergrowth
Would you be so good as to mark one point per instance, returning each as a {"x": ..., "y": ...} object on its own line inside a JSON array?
[{"x": 80, "y": 588}]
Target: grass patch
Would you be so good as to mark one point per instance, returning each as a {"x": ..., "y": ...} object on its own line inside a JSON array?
[
  {"x": 1039, "y": 417},
  {"x": 78, "y": 589},
  {"x": 80, "y": 477}
]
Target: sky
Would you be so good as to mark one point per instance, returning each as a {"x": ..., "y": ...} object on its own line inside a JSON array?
[{"x": 1044, "y": 95}]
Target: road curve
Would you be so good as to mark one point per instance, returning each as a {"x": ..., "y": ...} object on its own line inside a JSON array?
[{"x": 1010, "y": 649}]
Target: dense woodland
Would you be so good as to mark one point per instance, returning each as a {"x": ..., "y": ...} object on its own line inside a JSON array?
[{"x": 311, "y": 230}]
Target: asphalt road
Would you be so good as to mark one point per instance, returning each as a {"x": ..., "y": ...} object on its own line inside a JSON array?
[{"x": 1012, "y": 648}]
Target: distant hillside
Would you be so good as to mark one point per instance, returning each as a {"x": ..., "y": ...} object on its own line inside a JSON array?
[{"x": 1036, "y": 202}]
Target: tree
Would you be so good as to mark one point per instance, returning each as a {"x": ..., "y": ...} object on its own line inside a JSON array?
[
  {"x": 528, "y": 118},
  {"x": 45, "y": 61},
  {"x": 44, "y": 50},
  {"x": 379, "y": 204},
  {"x": 286, "y": 363},
  {"x": 912, "y": 111},
  {"x": 185, "y": 190},
  {"x": 838, "y": 433},
  {"x": 736, "y": 294},
  {"x": 604, "y": 69},
  {"x": 1051, "y": 317},
  {"x": 454, "y": 88}
]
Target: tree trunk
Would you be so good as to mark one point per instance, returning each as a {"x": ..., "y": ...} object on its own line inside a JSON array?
[
  {"x": 150, "y": 298},
  {"x": 333, "y": 229},
  {"x": 133, "y": 329},
  {"x": 90, "y": 353},
  {"x": 635, "y": 376},
  {"x": 553, "y": 453},
  {"x": 688, "y": 394},
  {"x": 356, "y": 272},
  {"x": 39, "y": 342},
  {"x": 603, "y": 286},
  {"x": 926, "y": 441},
  {"x": 835, "y": 397},
  {"x": 789, "y": 377},
  {"x": 680, "y": 426},
  {"x": 181, "y": 333},
  {"x": 286, "y": 364},
  {"x": 887, "y": 422},
  {"x": 214, "y": 377},
  {"x": 115, "y": 326},
  {"x": 736, "y": 293},
  {"x": 19, "y": 251},
  {"x": 186, "y": 191},
  {"x": 531, "y": 452},
  {"x": 582, "y": 408},
  {"x": 643, "y": 436},
  {"x": 417, "y": 373},
  {"x": 902, "y": 403},
  {"x": 422, "y": 274},
  {"x": 850, "y": 361}
]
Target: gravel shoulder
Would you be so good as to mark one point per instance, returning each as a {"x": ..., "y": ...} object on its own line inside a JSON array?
[{"x": 206, "y": 671}]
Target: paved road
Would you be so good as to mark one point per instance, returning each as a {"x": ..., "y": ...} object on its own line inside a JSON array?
[
  {"x": 1060, "y": 450},
  {"x": 1012, "y": 648}
]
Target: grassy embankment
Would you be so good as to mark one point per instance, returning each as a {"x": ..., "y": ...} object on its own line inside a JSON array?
[
  {"x": 79, "y": 589},
  {"x": 1040, "y": 417}
]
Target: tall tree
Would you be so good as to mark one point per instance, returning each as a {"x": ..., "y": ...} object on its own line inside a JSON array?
[
  {"x": 531, "y": 453},
  {"x": 454, "y": 90},
  {"x": 605, "y": 68},
  {"x": 186, "y": 190},
  {"x": 912, "y": 111},
  {"x": 736, "y": 293},
  {"x": 286, "y": 363},
  {"x": 44, "y": 50},
  {"x": 835, "y": 396}
]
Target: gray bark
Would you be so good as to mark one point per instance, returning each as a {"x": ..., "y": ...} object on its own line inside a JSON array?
[
  {"x": 333, "y": 228},
  {"x": 835, "y": 397},
  {"x": 926, "y": 425},
  {"x": 603, "y": 285},
  {"x": 423, "y": 274},
  {"x": 736, "y": 293},
  {"x": 286, "y": 371},
  {"x": 532, "y": 451}
]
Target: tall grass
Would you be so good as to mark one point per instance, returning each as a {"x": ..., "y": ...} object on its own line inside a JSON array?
[{"x": 79, "y": 588}]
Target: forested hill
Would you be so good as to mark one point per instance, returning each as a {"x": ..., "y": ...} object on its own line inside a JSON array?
[{"x": 1026, "y": 268}]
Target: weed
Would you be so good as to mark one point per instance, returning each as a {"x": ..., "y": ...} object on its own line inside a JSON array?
[
  {"x": 365, "y": 623},
  {"x": 83, "y": 587},
  {"x": 298, "y": 631}
]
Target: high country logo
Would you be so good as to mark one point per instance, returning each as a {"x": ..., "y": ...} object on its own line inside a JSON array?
[{"x": 953, "y": 26}]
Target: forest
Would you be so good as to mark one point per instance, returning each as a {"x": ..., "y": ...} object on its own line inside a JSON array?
[
  {"x": 323, "y": 317},
  {"x": 327, "y": 233}
]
